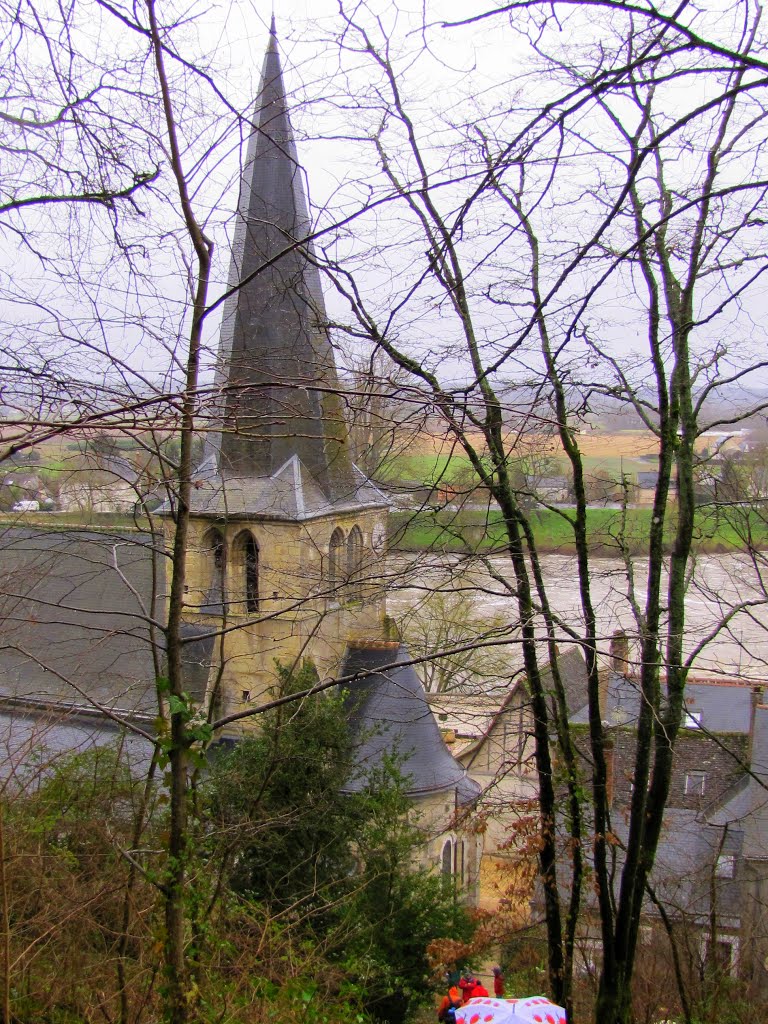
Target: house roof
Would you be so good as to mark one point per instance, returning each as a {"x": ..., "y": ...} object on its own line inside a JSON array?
[
  {"x": 477, "y": 723},
  {"x": 718, "y": 705},
  {"x": 756, "y": 819},
  {"x": 76, "y": 622},
  {"x": 466, "y": 717},
  {"x": 76, "y": 617},
  {"x": 389, "y": 713}
]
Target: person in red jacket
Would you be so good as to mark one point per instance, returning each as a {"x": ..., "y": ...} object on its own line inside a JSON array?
[
  {"x": 498, "y": 983},
  {"x": 472, "y": 989},
  {"x": 451, "y": 1002}
]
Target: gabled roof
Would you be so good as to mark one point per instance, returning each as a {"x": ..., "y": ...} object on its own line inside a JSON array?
[
  {"x": 756, "y": 821},
  {"x": 389, "y": 714},
  {"x": 277, "y": 388},
  {"x": 75, "y": 616},
  {"x": 573, "y": 674}
]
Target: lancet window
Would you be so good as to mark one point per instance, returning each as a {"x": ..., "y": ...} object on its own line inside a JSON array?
[
  {"x": 355, "y": 561},
  {"x": 248, "y": 558},
  {"x": 446, "y": 864},
  {"x": 217, "y": 567},
  {"x": 336, "y": 550}
]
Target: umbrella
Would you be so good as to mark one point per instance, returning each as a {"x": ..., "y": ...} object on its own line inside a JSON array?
[{"x": 530, "y": 1010}]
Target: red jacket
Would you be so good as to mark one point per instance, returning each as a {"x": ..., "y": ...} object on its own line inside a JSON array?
[{"x": 474, "y": 991}]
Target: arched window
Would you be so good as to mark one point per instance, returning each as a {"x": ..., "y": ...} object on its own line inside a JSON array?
[
  {"x": 446, "y": 865},
  {"x": 248, "y": 563},
  {"x": 216, "y": 549},
  {"x": 336, "y": 560},
  {"x": 354, "y": 561}
]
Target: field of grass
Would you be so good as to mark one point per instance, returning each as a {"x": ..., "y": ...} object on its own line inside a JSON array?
[
  {"x": 73, "y": 520},
  {"x": 437, "y": 469},
  {"x": 476, "y": 530}
]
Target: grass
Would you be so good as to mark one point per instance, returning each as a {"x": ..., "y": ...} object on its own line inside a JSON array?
[
  {"x": 425, "y": 468},
  {"x": 430, "y": 469},
  {"x": 75, "y": 520},
  {"x": 476, "y": 530}
]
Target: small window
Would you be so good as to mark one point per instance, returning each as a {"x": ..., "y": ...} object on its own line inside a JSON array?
[
  {"x": 446, "y": 866},
  {"x": 335, "y": 561},
  {"x": 695, "y": 783},
  {"x": 726, "y": 866},
  {"x": 354, "y": 561},
  {"x": 245, "y": 696},
  {"x": 692, "y": 720},
  {"x": 723, "y": 953}
]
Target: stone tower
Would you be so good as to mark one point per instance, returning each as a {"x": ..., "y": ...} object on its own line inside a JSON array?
[
  {"x": 287, "y": 536},
  {"x": 285, "y": 531}
]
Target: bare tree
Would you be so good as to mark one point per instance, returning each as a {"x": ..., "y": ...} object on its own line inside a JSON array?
[{"x": 607, "y": 181}]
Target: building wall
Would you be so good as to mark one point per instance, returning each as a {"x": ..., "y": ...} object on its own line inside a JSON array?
[
  {"x": 754, "y": 934},
  {"x": 302, "y": 611},
  {"x": 501, "y": 763}
]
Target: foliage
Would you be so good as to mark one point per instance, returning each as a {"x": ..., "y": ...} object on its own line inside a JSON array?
[
  {"x": 716, "y": 529},
  {"x": 338, "y": 864},
  {"x": 448, "y": 619},
  {"x": 277, "y": 803},
  {"x": 80, "y": 920}
]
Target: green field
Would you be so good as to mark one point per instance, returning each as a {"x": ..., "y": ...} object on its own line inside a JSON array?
[
  {"x": 476, "y": 530},
  {"x": 430, "y": 469}
]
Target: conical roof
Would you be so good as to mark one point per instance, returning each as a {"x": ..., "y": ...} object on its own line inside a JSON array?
[
  {"x": 277, "y": 387},
  {"x": 389, "y": 713}
]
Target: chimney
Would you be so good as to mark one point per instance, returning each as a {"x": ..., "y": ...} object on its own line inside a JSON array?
[
  {"x": 620, "y": 653},
  {"x": 755, "y": 701}
]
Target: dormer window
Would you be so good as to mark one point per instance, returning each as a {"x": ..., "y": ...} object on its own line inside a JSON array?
[{"x": 725, "y": 866}]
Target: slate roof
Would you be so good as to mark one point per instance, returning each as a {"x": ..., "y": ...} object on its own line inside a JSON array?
[
  {"x": 719, "y": 706},
  {"x": 755, "y": 821},
  {"x": 290, "y": 493},
  {"x": 573, "y": 675},
  {"x": 76, "y": 609},
  {"x": 280, "y": 445},
  {"x": 388, "y": 712}
]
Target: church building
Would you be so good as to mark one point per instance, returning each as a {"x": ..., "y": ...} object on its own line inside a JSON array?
[{"x": 287, "y": 537}]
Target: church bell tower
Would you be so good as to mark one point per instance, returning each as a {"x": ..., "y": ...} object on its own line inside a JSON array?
[{"x": 285, "y": 531}]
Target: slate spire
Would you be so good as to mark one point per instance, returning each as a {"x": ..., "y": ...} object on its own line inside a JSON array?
[{"x": 276, "y": 377}]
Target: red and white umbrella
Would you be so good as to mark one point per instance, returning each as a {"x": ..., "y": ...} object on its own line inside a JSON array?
[{"x": 531, "y": 1010}]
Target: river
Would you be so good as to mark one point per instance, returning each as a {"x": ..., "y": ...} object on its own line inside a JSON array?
[{"x": 718, "y": 583}]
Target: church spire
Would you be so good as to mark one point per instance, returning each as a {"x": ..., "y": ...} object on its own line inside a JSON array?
[{"x": 277, "y": 377}]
